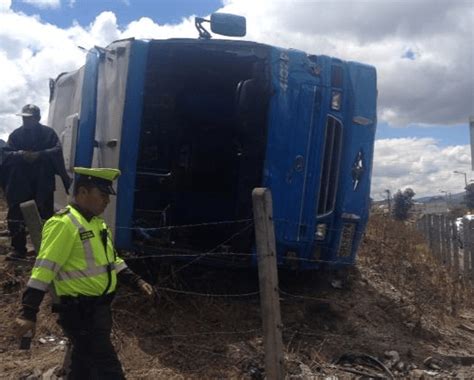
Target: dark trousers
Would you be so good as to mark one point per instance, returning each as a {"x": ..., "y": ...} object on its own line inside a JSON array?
[
  {"x": 16, "y": 225},
  {"x": 88, "y": 326}
]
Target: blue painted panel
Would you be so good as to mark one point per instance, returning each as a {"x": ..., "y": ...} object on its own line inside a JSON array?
[
  {"x": 362, "y": 88},
  {"x": 298, "y": 115},
  {"x": 293, "y": 149},
  {"x": 88, "y": 116},
  {"x": 130, "y": 143}
]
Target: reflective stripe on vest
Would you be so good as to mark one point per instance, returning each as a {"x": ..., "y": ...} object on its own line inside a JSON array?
[
  {"x": 86, "y": 243},
  {"x": 91, "y": 268},
  {"x": 88, "y": 272},
  {"x": 48, "y": 264},
  {"x": 120, "y": 266},
  {"x": 37, "y": 284}
]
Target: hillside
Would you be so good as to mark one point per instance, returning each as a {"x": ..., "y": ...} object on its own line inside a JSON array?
[
  {"x": 454, "y": 199},
  {"x": 398, "y": 314}
]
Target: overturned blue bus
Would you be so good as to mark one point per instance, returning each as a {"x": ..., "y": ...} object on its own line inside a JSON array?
[{"x": 196, "y": 124}]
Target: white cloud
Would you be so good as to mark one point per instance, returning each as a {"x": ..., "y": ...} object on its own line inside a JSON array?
[
  {"x": 419, "y": 163},
  {"x": 104, "y": 30},
  {"x": 436, "y": 87},
  {"x": 146, "y": 28},
  {"x": 32, "y": 51},
  {"x": 5, "y": 5},
  {"x": 44, "y": 3}
]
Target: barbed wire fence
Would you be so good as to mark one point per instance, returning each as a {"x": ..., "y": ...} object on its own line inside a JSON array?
[{"x": 439, "y": 231}]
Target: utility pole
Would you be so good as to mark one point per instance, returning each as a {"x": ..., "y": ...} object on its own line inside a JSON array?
[
  {"x": 471, "y": 131},
  {"x": 446, "y": 198},
  {"x": 465, "y": 179}
]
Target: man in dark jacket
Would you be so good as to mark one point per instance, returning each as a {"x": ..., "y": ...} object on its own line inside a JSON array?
[{"x": 31, "y": 159}]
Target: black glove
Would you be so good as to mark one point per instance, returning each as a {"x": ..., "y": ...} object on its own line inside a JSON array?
[{"x": 149, "y": 291}]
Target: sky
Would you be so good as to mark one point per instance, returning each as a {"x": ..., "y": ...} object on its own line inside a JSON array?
[{"x": 423, "y": 51}]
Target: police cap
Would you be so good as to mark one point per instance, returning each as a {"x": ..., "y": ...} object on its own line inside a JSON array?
[{"x": 101, "y": 177}]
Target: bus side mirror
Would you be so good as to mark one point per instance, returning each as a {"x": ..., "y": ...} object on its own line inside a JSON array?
[{"x": 228, "y": 25}]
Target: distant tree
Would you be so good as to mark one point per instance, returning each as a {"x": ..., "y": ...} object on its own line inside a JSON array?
[
  {"x": 469, "y": 196},
  {"x": 402, "y": 203}
]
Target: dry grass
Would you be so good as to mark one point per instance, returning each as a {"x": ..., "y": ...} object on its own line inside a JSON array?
[
  {"x": 398, "y": 298},
  {"x": 425, "y": 286}
]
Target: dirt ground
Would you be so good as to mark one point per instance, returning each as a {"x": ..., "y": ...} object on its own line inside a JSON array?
[{"x": 399, "y": 314}]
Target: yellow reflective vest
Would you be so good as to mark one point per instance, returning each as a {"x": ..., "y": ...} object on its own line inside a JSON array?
[{"x": 72, "y": 256}]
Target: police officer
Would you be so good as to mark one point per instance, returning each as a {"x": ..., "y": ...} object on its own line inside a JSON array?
[{"x": 77, "y": 259}]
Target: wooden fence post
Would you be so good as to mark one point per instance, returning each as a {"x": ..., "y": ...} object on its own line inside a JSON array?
[
  {"x": 447, "y": 241},
  {"x": 442, "y": 236},
  {"x": 268, "y": 280},
  {"x": 435, "y": 237},
  {"x": 469, "y": 250},
  {"x": 33, "y": 222},
  {"x": 424, "y": 226},
  {"x": 466, "y": 243},
  {"x": 429, "y": 228},
  {"x": 455, "y": 244}
]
